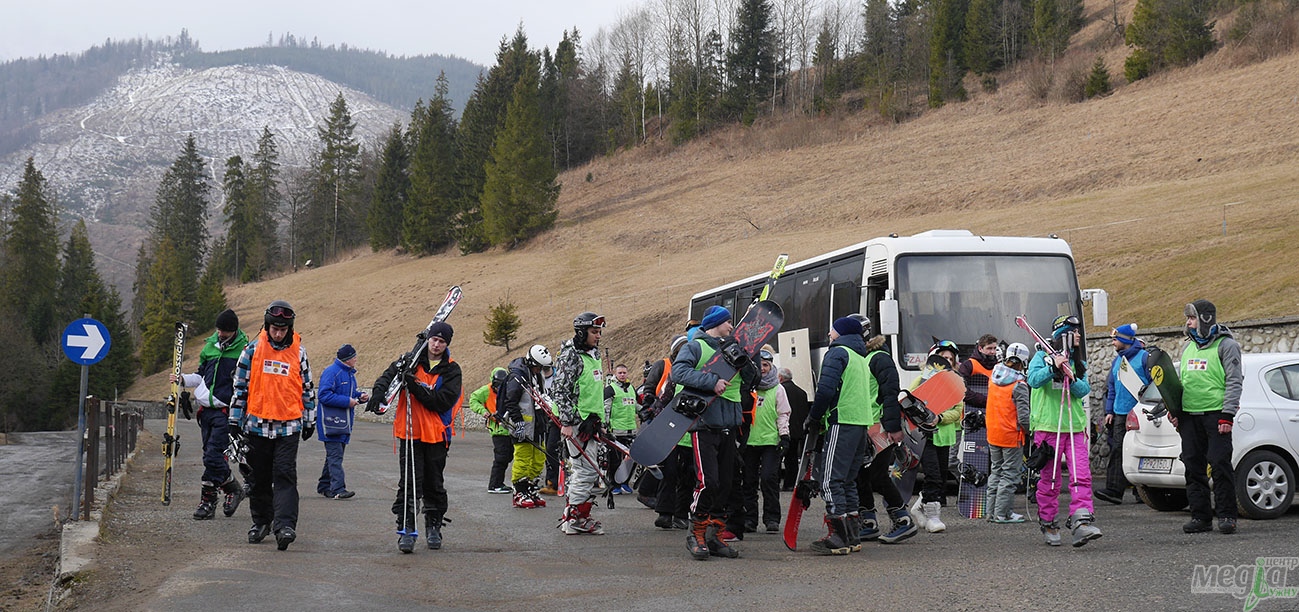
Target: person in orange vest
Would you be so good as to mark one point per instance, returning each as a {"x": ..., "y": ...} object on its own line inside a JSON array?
[
  {"x": 274, "y": 403},
  {"x": 1007, "y": 422},
  {"x": 427, "y": 406}
]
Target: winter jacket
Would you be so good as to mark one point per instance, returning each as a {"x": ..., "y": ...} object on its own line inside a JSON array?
[
  {"x": 578, "y": 393},
  {"x": 336, "y": 391},
  {"x": 620, "y": 407},
  {"x": 516, "y": 405},
  {"x": 884, "y": 377},
  {"x": 1212, "y": 378},
  {"x": 438, "y": 394},
  {"x": 976, "y": 372},
  {"x": 1048, "y": 410},
  {"x": 722, "y": 412},
  {"x": 215, "y": 386},
  {"x": 1008, "y": 408},
  {"x": 1117, "y": 398}
]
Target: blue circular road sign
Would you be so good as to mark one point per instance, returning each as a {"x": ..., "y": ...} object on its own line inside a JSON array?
[{"x": 86, "y": 341}]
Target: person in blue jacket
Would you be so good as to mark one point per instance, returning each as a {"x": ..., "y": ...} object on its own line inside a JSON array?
[
  {"x": 338, "y": 397},
  {"x": 1118, "y": 403}
]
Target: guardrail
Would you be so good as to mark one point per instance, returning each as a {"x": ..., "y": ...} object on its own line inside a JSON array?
[{"x": 120, "y": 425}]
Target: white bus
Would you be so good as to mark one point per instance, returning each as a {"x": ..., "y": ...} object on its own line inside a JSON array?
[{"x": 945, "y": 284}]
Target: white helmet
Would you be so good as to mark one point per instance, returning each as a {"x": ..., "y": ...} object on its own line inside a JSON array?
[
  {"x": 1018, "y": 351},
  {"x": 538, "y": 357}
]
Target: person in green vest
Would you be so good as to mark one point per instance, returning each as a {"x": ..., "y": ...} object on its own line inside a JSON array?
[
  {"x": 579, "y": 400},
  {"x": 715, "y": 435},
  {"x": 768, "y": 439},
  {"x": 620, "y": 419},
  {"x": 483, "y": 401},
  {"x": 1059, "y": 420},
  {"x": 1211, "y": 387}
]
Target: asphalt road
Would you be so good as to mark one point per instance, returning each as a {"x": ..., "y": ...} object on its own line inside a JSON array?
[{"x": 499, "y": 558}]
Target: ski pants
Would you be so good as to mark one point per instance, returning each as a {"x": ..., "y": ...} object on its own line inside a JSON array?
[
  {"x": 843, "y": 452},
  {"x": 1006, "y": 465},
  {"x": 213, "y": 427},
  {"x": 274, "y": 499},
  {"x": 1203, "y": 447},
  {"x": 789, "y": 471},
  {"x": 714, "y": 454},
  {"x": 1071, "y": 448},
  {"x": 585, "y": 473},
  {"x": 674, "y": 491},
  {"x": 933, "y": 462},
  {"x": 1115, "y": 481},
  {"x": 332, "y": 478},
  {"x": 430, "y": 460},
  {"x": 529, "y": 461},
  {"x": 502, "y": 452},
  {"x": 761, "y": 473},
  {"x": 877, "y": 478},
  {"x": 554, "y": 450}
]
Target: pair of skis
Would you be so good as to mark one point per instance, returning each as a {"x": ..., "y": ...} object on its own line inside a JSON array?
[
  {"x": 171, "y": 441},
  {"x": 408, "y": 360}
]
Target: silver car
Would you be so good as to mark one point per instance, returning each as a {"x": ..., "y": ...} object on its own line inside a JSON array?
[{"x": 1265, "y": 443}]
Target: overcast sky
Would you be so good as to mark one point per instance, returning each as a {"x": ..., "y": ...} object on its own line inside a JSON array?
[{"x": 471, "y": 29}]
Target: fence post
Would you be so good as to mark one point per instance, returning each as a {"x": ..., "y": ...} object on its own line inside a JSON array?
[{"x": 92, "y": 456}]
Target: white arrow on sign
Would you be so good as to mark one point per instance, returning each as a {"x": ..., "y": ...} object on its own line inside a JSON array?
[{"x": 93, "y": 341}]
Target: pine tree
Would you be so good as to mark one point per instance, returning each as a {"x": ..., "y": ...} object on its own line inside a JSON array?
[
  {"x": 232, "y": 254},
  {"x": 390, "y": 191},
  {"x": 946, "y": 58},
  {"x": 520, "y": 192},
  {"x": 31, "y": 256},
  {"x": 982, "y": 38},
  {"x": 431, "y": 201},
  {"x": 751, "y": 61},
  {"x": 333, "y": 212},
  {"x": 179, "y": 220},
  {"x": 170, "y": 279},
  {"x": 1169, "y": 33},
  {"x": 264, "y": 203},
  {"x": 211, "y": 300},
  {"x": 502, "y": 324}
]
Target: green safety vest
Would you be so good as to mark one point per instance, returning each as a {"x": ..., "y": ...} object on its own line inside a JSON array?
[
  {"x": 590, "y": 388},
  {"x": 1204, "y": 381},
  {"x": 764, "y": 431},
  {"x": 732, "y": 391},
  {"x": 858, "y": 401},
  {"x": 622, "y": 414},
  {"x": 1045, "y": 406}
]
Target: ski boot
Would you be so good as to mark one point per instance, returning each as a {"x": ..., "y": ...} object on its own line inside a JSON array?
[
  {"x": 697, "y": 541},
  {"x": 406, "y": 539},
  {"x": 933, "y": 522},
  {"x": 533, "y": 492},
  {"x": 206, "y": 504},
  {"x": 523, "y": 495},
  {"x": 903, "y": 526},
  {"x": 1050, "y": 531},
  {"x": 257, "y": 533},
  {"x": 870, "y": 528},
  {"x": 1083, "y": 529},
  {"x": 918, "y": 514},
  {"x": 853, "y": 524},
  {"x": 577, "y": 519},
  {"x": 433, "y": 530},
  {"x": 835, "y": 540},
  {"x": 284, "y": 537},
  {"x": 717, "y": 546},
  {"x": 234, "y": 496}
]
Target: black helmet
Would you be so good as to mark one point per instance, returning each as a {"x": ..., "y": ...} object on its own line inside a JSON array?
[
  {"x": 588, "y": 320},
  {"x": 865, "y": 322},
  {"x": 279, "y": 313}
]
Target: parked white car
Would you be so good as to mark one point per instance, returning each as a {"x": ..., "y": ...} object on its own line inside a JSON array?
[{"x": 1265, "y": 443}]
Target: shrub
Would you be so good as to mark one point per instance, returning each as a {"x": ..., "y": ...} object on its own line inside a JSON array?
[{"x": 1098, "y": 82}]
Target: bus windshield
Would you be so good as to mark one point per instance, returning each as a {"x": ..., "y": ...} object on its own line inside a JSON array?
[{"x": 960, "y": 297}]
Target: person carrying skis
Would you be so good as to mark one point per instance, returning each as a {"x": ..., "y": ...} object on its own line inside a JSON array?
[
  {"x": 273, "y": 403},
  {"x": 579, "y": 400},
  {"x": 768, "y": 438},
  {"x": 1008, "y": 409},
  {"x": 484, "y": 401},
  {"x": 847, "y": 402},
  {"x": 714, "y": 437},
  {"x": 1059, "y": 419},
  {"x": 338, "y": 398},
  {"x": 526, "y": 423},
  {"x": 213, "y": 386},
  {"x": 1212, "y": 381},
  {"x": 1118, "y": 403},
  {"x": 427, "y": 405},
  {"x": 934, "y": 457},
  {"x": 620, "y": 417}
]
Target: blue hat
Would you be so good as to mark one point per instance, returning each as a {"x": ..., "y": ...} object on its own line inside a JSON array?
[
  {"x": 847, "y": 326},
  {"x": 346, "y": 352},
  {"x": 714, "y": 316},
  {"x": 1125, "y": 334}
]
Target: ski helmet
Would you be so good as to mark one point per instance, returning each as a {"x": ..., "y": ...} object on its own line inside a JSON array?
[
  {"x": 1018, "y": 351},
  {"x": 945, "y": 345},
  {"x": 538, "y": 357},
  {"x": 279, "y": 313},
  {"x": 865, "y": 323},
  {"x": 677, "y": 343},
  {"x": 588, "y": 320},
  {"x": 1064, "y": 323}
]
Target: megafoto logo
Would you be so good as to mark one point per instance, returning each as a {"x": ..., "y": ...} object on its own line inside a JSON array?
[{"x": 1268, "y": 578}]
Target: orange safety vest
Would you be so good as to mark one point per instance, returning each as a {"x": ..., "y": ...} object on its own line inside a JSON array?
[
  {"x": 275, "y": 380},
  {"x": 663, "y": 382},
  {"x": 1001, "y": 417},
  {"x": 426, "y": 425}
]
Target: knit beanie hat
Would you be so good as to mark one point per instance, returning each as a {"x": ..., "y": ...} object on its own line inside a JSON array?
[
  {"x": 847, "y": 326},
  {"x": 1126, "y": 334},
  {"x": 346, "y": 352},
  {"x": 714, "y": 316},
  {"x": 227, "y": 321},
  {"x": 442, "y": 330}
]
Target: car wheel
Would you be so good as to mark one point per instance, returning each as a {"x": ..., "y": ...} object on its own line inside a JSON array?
[
  {"x": 1264, "y": 485},
  {"x": 1162, "y": 499}
]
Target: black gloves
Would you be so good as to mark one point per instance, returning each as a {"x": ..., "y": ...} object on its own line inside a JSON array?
[
  {"x": 783, "y": 445},
  {"x": 812, "y": 425},
  {"x": 375, "y": 404},
  {"x": 307, "y": 431}
]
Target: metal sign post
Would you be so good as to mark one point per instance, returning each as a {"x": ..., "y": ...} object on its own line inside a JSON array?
[{"x": 85, "y": 342}]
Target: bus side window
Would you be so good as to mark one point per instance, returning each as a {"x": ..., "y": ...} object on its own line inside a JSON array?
[{"x": 875, "y": 288}]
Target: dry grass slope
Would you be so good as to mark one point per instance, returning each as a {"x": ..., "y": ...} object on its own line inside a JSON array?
[{"x": 1177, "y": 187}]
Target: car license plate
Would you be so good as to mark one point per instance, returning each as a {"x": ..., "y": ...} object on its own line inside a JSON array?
[{"x": 1155, "y": 465}]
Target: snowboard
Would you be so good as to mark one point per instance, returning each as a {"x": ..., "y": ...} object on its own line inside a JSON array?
[
  {"x": 1163, "y": 375},
  {"x": 939, "y": 390},
  {"x": 906, "y": 463},
  {"x": 972, "y": 495},
  {"x": 804, "y": 490},
  {"x": 758, "y": 327},
  {"x": 1128, "y": 378}
]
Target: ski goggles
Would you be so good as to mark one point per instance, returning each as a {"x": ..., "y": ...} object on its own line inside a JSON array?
[
  {"x": 1065, "y": 321},
  {"x": 945, "y": 345},
  {"x": 280, "y": 311},
  {"x": 766, "y": 355},
  {"x": 598, "y": 322}
]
